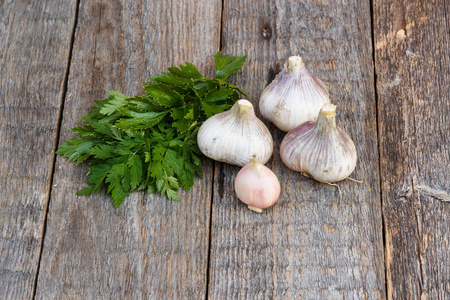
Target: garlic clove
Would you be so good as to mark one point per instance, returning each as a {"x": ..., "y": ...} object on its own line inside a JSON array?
[
  {"x": 321, "y": 149},
  {"x": 257, "y": 186},
  {"x": 294, "y": 97},
  {"x": 236, "y": 136}
]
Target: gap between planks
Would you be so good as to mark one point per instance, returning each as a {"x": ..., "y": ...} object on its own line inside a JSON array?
[
  {"x": 383, "y": 227},
  {"x": 208, "y": 260},
  {"x": 56, "y": 139}
]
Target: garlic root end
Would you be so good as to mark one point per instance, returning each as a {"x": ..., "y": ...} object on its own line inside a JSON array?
[
  {"x": 355, "y": 180},
  {"x": 333, "y": 184}
]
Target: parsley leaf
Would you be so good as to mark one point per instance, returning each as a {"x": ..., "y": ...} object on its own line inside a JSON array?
[
  {"x": 149, "y": 142},
  {"x": 115, "y": 101},
  {"x": 227, "y": 65}
]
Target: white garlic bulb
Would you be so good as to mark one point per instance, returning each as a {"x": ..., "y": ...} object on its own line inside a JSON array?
[
  {"x": 236, "y": 136},
  {"x": 294, "y": 97},
  {"x": 257, "y": 186},
  {"x": 321, "y": 149}
]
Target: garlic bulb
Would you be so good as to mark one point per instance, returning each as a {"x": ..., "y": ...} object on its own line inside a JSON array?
[
  {"x": 321, "y": 149},
  {"x": 294, "y": 97},
  {"x": 236, "y": 136},
  {"x": 257, "y": 186}
]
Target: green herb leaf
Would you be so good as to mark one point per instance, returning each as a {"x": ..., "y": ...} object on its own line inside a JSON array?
[
  {"x": 115, "y": 101},
  {"x": 227, "y": 65},
  {"x": 218, "y": 95},
  {"x": 165, "y": 96},
  {"x": 188, "y": 71},
  {"x": 76, "y": 149},
  {"x": 183, "y": 117},
  {"x": 140, "y": 121},
  {"x": 136, "y": 171},
  {"x": 117, "y": 187},
  {"x": 96, "y": 176}
]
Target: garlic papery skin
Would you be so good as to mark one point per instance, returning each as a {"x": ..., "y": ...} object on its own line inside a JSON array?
[
  {"x": 236, "y": 136},
  {"x": 294, "y": 97},
  {"x": 321, "y": 149},
  {"x": 257, "y": 186}
]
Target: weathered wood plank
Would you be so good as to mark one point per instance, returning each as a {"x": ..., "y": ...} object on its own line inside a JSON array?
[
  {"x": 34, "y": 47},
  {"x": 149, "y": 248},
  {"x": 313, "y": 244},
  {"x": 412, "y": 51}
]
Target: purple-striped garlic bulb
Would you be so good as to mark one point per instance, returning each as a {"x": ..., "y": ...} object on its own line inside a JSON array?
[
  {"x": 294, "y": 97},
  {"x": 236, "y": 136},
  {"x": 321, "y": 149}
]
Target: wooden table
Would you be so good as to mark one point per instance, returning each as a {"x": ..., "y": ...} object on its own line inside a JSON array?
[{"x": 386, "y": 64}]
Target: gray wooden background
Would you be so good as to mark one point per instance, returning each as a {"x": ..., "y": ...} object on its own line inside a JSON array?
[{"x": 387, "y": 67}]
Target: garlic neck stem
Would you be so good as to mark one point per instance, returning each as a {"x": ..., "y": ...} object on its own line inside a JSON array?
[
  {"x": 294, "y": 63},
  {"x": 327, "y": 117},
  {"x": 243, "y": 109}
]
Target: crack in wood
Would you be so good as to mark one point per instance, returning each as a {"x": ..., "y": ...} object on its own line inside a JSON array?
[
  {"x": 434, "y": 193},
  {"x": 406, "y": 192}
]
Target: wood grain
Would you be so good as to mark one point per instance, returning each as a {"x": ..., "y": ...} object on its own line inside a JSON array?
[
  {"x": 412, "y": 47},
  {"x": 313, "y": 243},
  {"x": 149, "y": 248},
  {"x": 34, "y": 48}
]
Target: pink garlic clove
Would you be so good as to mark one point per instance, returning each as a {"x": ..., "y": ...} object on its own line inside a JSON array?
[{"x": 257, "y": 186}]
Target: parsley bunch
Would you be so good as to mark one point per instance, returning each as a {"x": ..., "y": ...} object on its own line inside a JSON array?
[{"x": 149, "y": 142}]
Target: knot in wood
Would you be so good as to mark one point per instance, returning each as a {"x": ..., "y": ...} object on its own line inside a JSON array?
[{"x": 266, "y": 33}]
